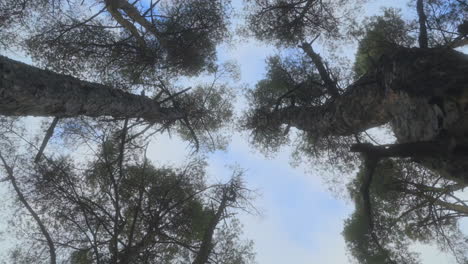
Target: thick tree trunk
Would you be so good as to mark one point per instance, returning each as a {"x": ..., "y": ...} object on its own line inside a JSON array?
[
  {"x": 357, "y": 109},
  {"x": 421, "y": 91},
  {"x": 30, "y": 91}
]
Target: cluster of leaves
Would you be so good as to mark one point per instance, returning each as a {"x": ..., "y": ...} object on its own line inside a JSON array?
[
  {"x": 288, "y": 83},
  {"x": 289, "y": 22},
  {"x": 182, "y": 41},
  {"x": 292, "y": 83}
]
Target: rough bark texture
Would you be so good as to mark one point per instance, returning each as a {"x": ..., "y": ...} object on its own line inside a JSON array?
[
  {"x": 30, "y": 91},
  {"x": 420, "y": 91},
  {"x": 357, "y": 109},
  {"x": 432, "y": 95}
]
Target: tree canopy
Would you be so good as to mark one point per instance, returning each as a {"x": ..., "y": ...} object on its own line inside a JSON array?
[
  {"x": 107, "y": 64},
  {"x": 120, "y": 208}
]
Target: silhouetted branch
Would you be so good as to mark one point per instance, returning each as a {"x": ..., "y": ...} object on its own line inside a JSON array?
[
  {"x": 38, "y": 220},
  {"x": 324, "y": 74},
  {"x": 48, "y": 135},
  {"x": 423, "y": 41},
  {"x": 112, "y": 8}
]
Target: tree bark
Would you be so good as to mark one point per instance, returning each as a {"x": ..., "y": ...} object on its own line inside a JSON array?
[
  {"x": 423, "y": 42},
  {"x": 357, "y": 109},
  {"x": 29, "y": 91},
  {"x": 377, "y": 97}
]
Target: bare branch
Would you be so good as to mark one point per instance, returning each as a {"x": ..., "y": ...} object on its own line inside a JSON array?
[
  {"x": 324, "y": 74},
  {"x": 48, "y": 135},
  {"x": 36, "y": 217},
  {"x": 423, "y": 42}
]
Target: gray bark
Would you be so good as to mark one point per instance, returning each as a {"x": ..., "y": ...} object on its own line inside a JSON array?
[
  {"x": 357, "y": 109},
  {"x": 399, "y": 91},
  {"x": 29, "y": 91}
]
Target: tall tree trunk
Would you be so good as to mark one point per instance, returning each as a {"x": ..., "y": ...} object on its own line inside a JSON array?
[
  {"x": 357, "y": 109},
  {"x": 402, "y": 78},
  {"x": 30, "y": 91}
]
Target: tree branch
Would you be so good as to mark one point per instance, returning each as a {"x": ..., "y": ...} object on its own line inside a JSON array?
[
  {"x": 324, "y": 74},
  {"x": 112, "y": 9},
  {"x": 36, "y": 217},
  {"x": 48, "y": 135},
  {"x": 134, "y": 14},
  {"x": 421, "y": 149},
  {"x": 423, "y": 41}
]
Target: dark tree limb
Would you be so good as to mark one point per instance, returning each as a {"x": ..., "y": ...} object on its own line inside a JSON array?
[
  {"x": 423, "y": 40},
  {"x": 330, "y": 84},
  {"x": 172, "y": 96},
  {"x": 112, "y": 8},
  {"x": 123, "y": 140},
  {"x": 421, "y": 149},
  {"x": 370, "y": 163},
  {"x": 45, "y": 233},
  {"x": 48, "y": 135}
]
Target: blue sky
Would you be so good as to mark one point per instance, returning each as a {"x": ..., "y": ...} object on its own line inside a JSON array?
[{"x": 300, "y": 219}]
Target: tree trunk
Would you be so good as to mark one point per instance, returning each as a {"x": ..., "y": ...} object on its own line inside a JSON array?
[
  {"x": 407, "y": 82},
  {"x": 357, "y": 109},
  {"x": 30, "y": 91}
]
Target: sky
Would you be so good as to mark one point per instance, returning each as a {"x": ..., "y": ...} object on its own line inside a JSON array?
[{"x": 300, "y": 220}]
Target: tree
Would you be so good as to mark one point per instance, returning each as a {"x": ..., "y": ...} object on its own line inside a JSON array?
[
  {"x": 417, "y": 91},
  {"x": 120, "y": 208},
  {"x": 118, "y": 36},
  {"x": 409, "y": 203},
  {"x": 112, "y": 52}
]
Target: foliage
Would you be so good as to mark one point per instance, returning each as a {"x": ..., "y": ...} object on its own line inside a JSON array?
[
  {"x": 209, "y": 108},
  {"x": 182, "y": 38},
  {"x": 381, "y": 35},
  {"x": 409, "y": 204},
  {"x": 292, "y": 83},
  {"x": 119, "y": 208},
  {"x": 288, "y": 82},
  {"x": 289, "y": 22}
]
